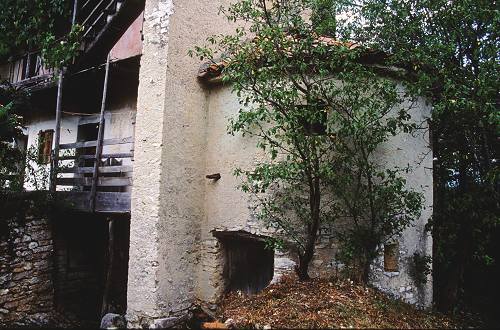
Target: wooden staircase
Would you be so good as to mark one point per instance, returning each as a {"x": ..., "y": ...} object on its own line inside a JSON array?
[{"x": 104, "y": 22}]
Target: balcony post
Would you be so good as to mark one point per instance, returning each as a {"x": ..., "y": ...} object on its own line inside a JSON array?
[
  {"x": 100, "y": 136},
  {"x": 75, "y": 10},
  {"x": 57, "y": 133}
]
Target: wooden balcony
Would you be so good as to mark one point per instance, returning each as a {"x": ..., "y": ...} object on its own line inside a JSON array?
[
  {"x": 77, "y": 175},
  {"x": 103, "y": 21},
  {"x": 29, "y": 70}
]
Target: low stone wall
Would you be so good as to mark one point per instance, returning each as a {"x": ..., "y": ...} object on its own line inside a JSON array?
[{"x": 26, "y": 286}]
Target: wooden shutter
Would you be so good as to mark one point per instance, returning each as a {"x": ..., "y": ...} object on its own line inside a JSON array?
[{"x": 45, "y": 139}]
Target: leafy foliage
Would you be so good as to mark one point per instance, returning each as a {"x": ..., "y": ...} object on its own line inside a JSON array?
[
  {"x": 60, "y": 53},
  {"x": 451, "y": 50},
  {"x": 319, "y": 113},
  {"x": 11, "y": 158},
  {"x": 24, "y": 24}
]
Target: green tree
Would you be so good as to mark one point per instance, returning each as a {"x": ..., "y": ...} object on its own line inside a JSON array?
[
  {"x": 451, "y": 50},
  {"x": 11, "y": 157},
  {"x": 319, "y": 113},
  {"x": 45, "y": 25},
  {"x": 25, "y": 24}
]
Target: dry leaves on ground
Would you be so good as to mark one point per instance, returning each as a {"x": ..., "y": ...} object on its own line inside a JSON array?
[{"x": 320, "y": 303}]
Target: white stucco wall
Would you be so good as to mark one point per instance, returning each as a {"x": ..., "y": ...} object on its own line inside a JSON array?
[
  {"x": 180, "y": 137},
  {"x": 119, "y": 123},
  {"x": 69, "y": 129},
  {"x": 170, "y": 141},
  {"x": 227, "y": 208}
]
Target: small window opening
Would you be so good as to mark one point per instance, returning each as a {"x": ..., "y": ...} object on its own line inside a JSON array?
[
  {"x": 391, "y": 257},
  {"x": 316, "y": 125},
  {"x": 248, "y": 264},
  {"x": 87, "y": 132},
  {"x": 45, "y": 139}
]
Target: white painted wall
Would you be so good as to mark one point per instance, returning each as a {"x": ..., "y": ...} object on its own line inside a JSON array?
[
  {"x": 227, "y": 208},
  {"x": 119, "y": 123}
]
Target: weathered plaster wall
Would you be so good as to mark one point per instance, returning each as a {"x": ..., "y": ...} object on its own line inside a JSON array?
[
  {"x": 401, "y": 151},
  {"x": 180, "y": 137},
  {"x": 168, "y": 196},
  {"x": 142, "y": 293},
  {"x": 227, "y": 208},
  {"x": 119, "y": 123},
  {"x": 43, "y": 122}
]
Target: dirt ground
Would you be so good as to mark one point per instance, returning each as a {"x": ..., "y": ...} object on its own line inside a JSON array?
[{"x": 322, "y": 303}]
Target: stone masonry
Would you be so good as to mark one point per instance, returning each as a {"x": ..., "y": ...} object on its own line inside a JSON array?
[{"x": 26, "y": 286}]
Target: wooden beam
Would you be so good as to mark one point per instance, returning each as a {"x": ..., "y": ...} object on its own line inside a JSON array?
[
  {"x": 112, "y": 202},
  {"x": 88, "y": 120},
  {"x": 106, "y": 202},
  {"x": 105, "y": 307},
  {"x": 75, "y": 10},
  {"x": 101, "y": 182},
  {"x": 57, "y": 133},
  {"x": 86, "y": 144},
  {"x": 116, "y": 155},
  {"x": 100, "y": 136},
  {"x": 103, "y": 169}
]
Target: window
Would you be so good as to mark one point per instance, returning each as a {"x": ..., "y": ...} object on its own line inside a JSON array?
[
  {"x": 391, "y": 257},
  {"x": 316, "y": 126},
  {"x": 45, "y": 139}
]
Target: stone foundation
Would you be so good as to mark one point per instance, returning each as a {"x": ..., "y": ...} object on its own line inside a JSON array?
[
  {"x": 26, "y": 255},
  {"x": 53, "y": 267}
]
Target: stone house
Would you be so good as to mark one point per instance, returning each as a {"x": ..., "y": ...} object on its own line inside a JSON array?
[{"x": 184, "y": 232}]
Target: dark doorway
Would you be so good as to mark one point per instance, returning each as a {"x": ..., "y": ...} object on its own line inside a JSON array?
[
  {"x": 86, "y": 132},
  {"x": 85, "y": 276},
  {"x": 249, "y": 264}
]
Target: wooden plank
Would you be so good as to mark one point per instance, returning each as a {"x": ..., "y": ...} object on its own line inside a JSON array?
[
  {"x": 116, "y": 155},
  {"x": 57, "y": 136},
  {"x": 116, "y": 202},
  {"x": 77, "y": 200},
  {"x": 89, "y": 120},
  {"x": 101, "y": 182},
  {"x": 100, "y": 136},
  {"x": 86, "y": 144},
  {"x": 103, "y": 169},
  {"x": 106, "y": 202}
]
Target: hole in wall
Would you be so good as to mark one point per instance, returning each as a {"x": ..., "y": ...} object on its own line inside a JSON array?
[
  {"x": 248, "y": 263},
  {"x": 391, "y": 257}
]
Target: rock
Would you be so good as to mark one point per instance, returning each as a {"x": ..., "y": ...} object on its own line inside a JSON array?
[
  {"x": 230, "y": 323},
  {"x": 33, "y": 245},
  {"x": 266, "y": 327},
  {"x": 3, "y": 311},
  {"x": 39, "y": 320},
  {"x": 169, "y": 322},
  {"x": 112, "y": 320}
]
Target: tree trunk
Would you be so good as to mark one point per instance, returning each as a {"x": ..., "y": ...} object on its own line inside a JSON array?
[
  {"x": 312, "y": 232},
  {"x": 109, "y": 273},
  {"x": 302, "y": 269}
]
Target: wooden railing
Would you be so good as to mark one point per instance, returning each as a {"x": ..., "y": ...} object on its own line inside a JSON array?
[
  {"x": 93, "y": 15},
  {"x": 112, "y": 177},
  {"x": 29, "y": 68}
]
